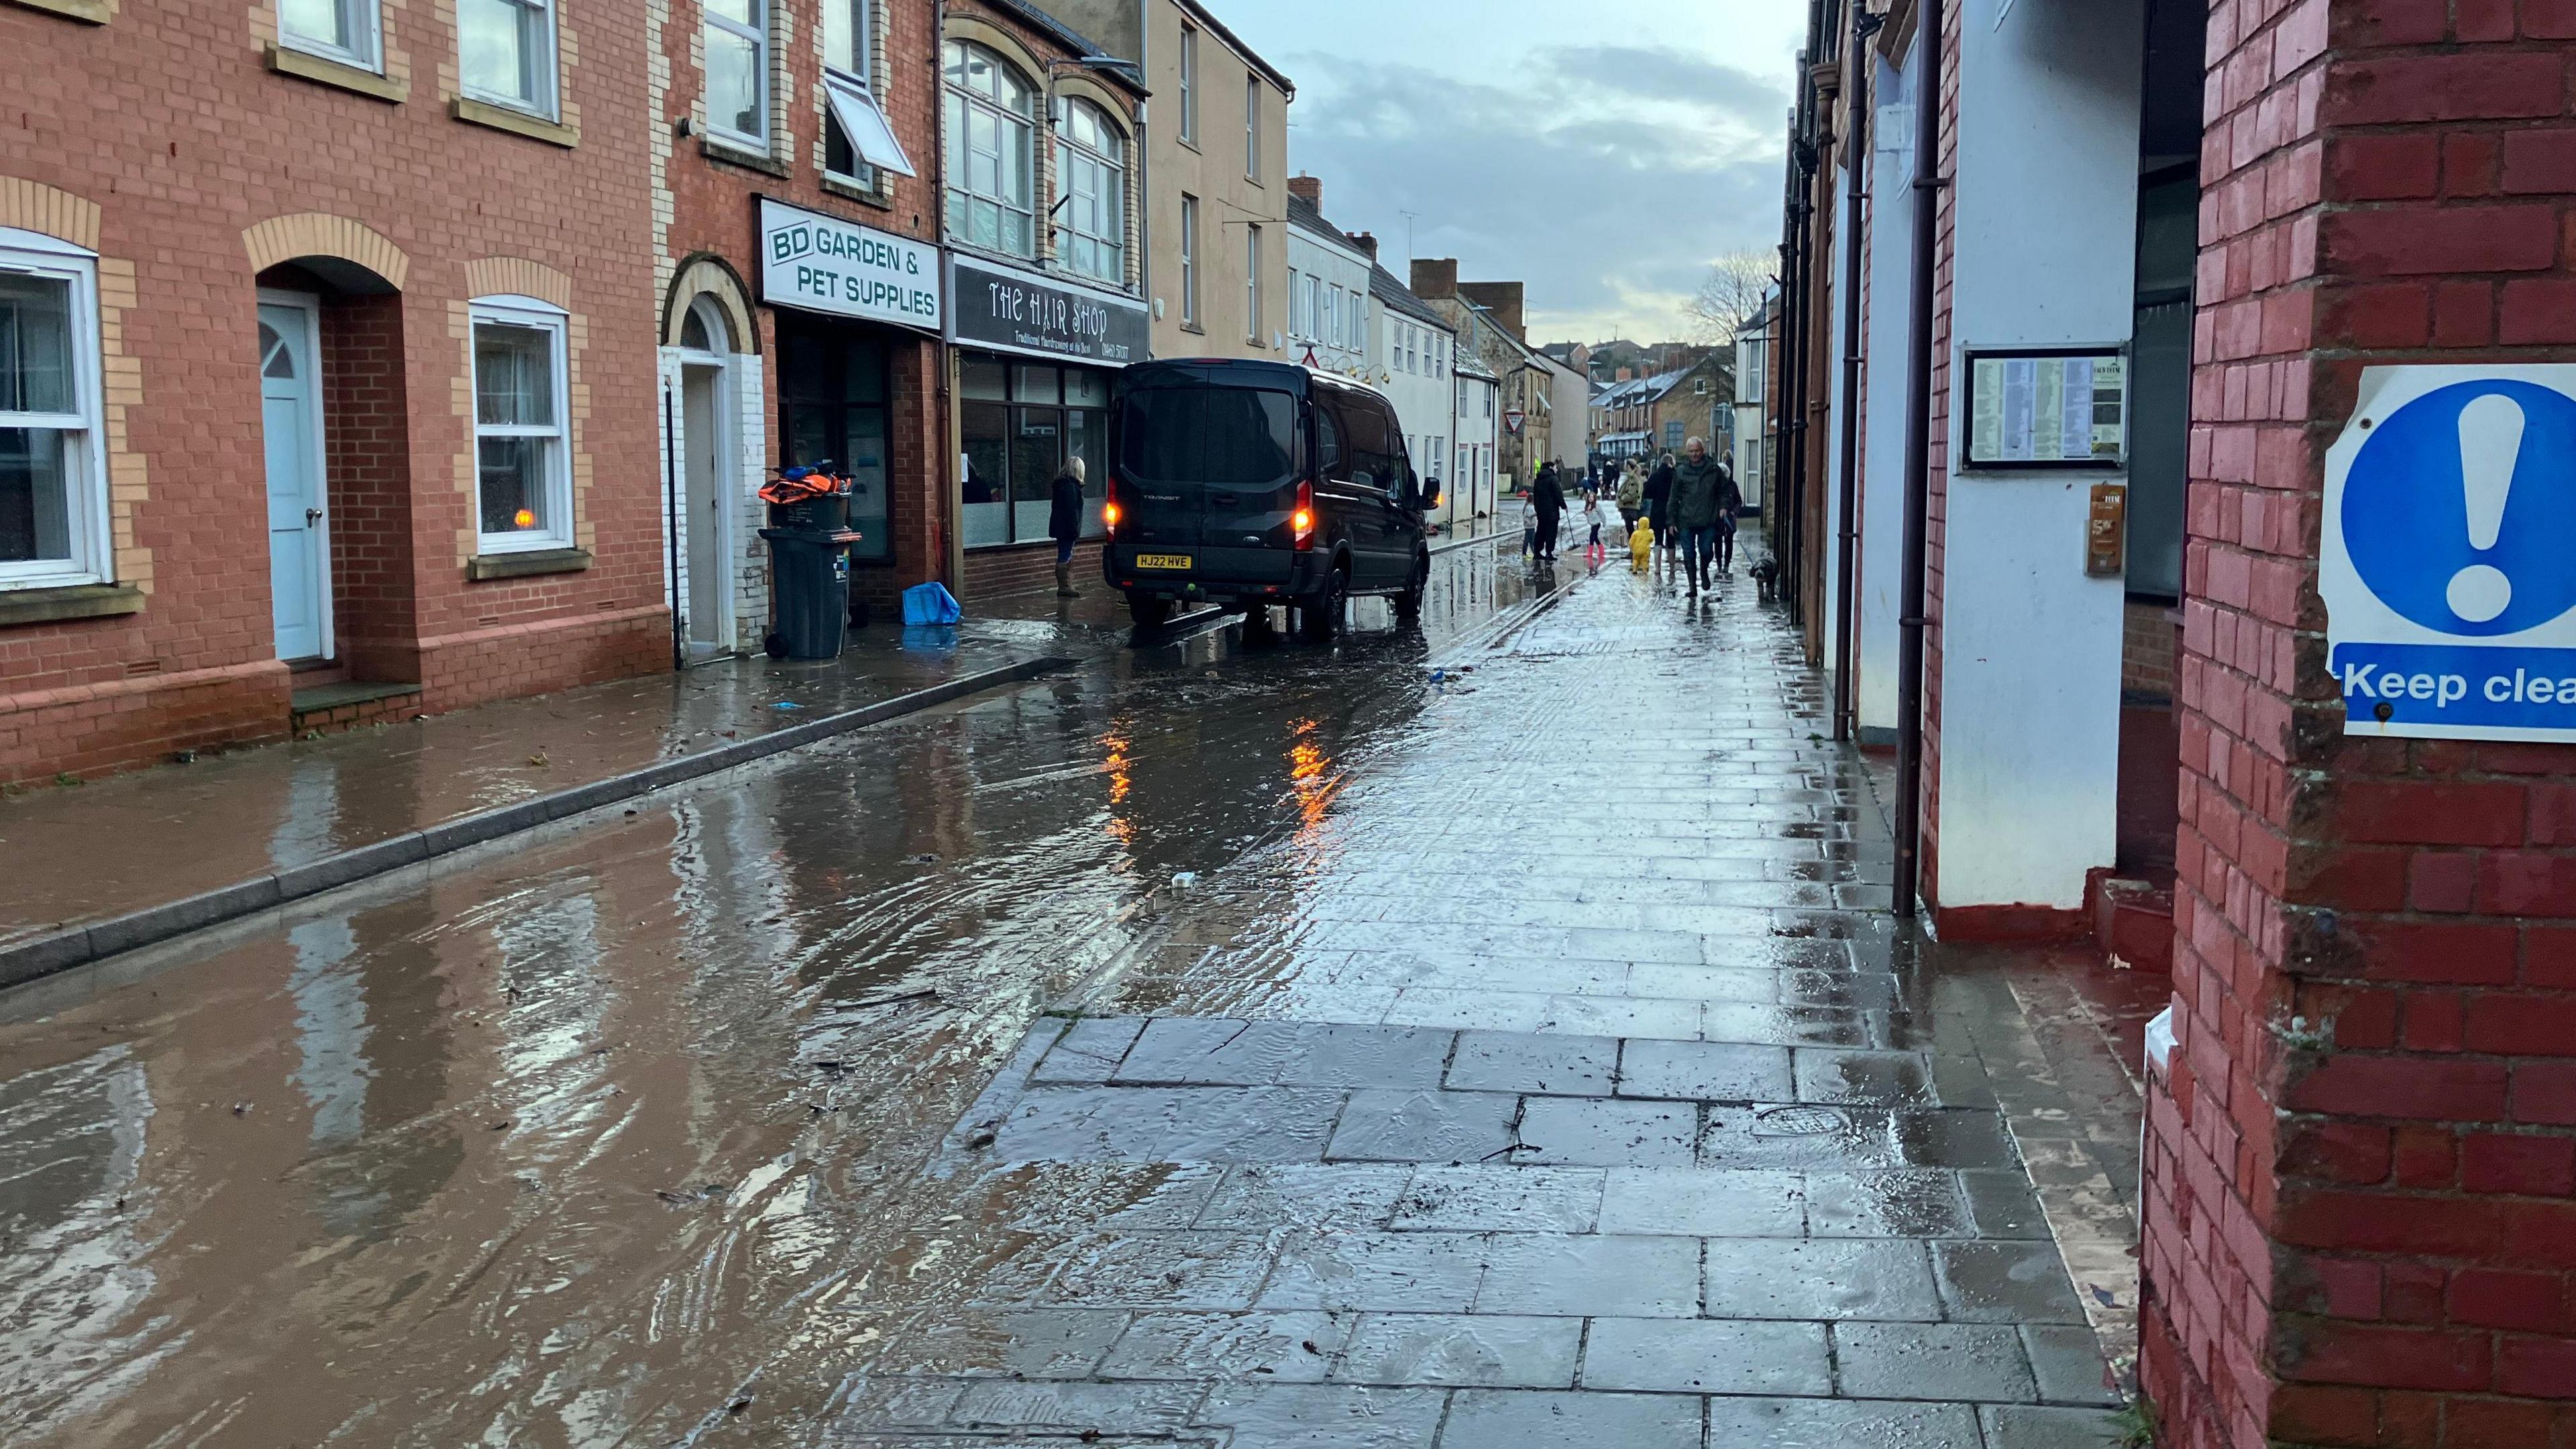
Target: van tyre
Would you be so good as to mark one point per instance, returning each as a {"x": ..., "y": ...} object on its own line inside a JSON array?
[
  {"x": 1319, "y": 614},
  {"x": 1408, "y": 604},
  {"x": 1149, "y": 612}
]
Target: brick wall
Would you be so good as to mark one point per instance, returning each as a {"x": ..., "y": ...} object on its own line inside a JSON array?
[
  {"x": 1937, "y": 489},
  {"x": 2361, "y": 1181},
  {"x": 199, "y": 167},
  {"x": 364, "y": 407},
  {"x": 2150, "y": 636},
  {"x": 995, "y": 573}
]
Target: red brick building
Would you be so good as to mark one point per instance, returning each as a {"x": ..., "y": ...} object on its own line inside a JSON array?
[
  {"x": 328, "y": 380},
  {"x": 807, "y": 301}
]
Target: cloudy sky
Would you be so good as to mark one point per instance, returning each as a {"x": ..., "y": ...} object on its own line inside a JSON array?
[{"x": 1603, "y": 152}]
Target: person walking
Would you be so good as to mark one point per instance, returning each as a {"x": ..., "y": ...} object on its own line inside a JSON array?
[
  {"x": 1547, "y": 501},
  {"x": 1632, "y": 496},
  {"x": 1704, "y": 497},
  {"x": 1658, "y": 493},
  {"x": 1064, "y": 524},
  {"x": 1592, "y": 515}
]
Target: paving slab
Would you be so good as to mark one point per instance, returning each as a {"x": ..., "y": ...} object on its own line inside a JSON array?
[
  {"x": 1592, "y": 1132},
  {"x": 1702, "y": 1202},
  {"x": 1938, "y": 1362},
  {"x": 1537, "y": 1065},
  {"x": 1701, "y": 1356},
  {"x": 1485, "y": 1350},
  {"x": 1759, "y": 1423},
  {"x": 1510, "y": 1420},
  {"x": 1502, "y": 1199},
  {"x": 1821, "y": 1279}
]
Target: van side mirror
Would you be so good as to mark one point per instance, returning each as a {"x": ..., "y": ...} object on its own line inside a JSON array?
[{"x": 1430, "y": 493}]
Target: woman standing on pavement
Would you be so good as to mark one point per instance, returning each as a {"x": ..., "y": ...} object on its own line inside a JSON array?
[
  {"x": 1632, "y": 495},
  {"x": 1064, "y": 524}
]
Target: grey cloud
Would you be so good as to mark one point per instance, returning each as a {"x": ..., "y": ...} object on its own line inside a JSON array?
[
  {"x": 1599, "y": 210},
  {"x": 1672, "y": 77}
]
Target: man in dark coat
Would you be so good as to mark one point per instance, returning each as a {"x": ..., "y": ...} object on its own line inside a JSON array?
[
  {"x": 1659, "y": 494},
  {"x": 1547, "y": 500},
  {"x": 1064, "y": 525},
  {"x": 1704, "y": 504}
]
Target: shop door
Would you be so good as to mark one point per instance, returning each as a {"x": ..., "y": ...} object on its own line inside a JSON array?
[
  {"x": 290, "y": 408},
  {"x": 707, "y": 443}
]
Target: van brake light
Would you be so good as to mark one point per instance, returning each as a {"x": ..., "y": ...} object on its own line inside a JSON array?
[{"x": 1302, "y": 522}]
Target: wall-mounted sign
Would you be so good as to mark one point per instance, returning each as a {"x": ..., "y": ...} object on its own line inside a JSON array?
[
  {"x": 2032, "y": 408},
  {"x": 2450, "y": 591},
  {"x": 1512, "y": 421},
  {"x": 824, "y": 264},
  {"x": 2106, "y": 532},
  {"x": 1009, "y": 310}
]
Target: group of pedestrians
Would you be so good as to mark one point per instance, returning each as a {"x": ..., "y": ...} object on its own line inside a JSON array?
[{"x": 1690, "y": 505}]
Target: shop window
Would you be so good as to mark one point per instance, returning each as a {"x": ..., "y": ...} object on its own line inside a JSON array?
[
  {"x": 347, "y": 31},
  {"x": 523, "y": 465},
  {"x": 1022, "y": 422},
  {"x": 53, "y": 484},
  {"x": 991, "y": 112},
  {"x": 1091, "y": 170},
  {"x": 737, "y": 50},
  {"x": 507, "y": 52},
  {"x": 834, "y": 391},
  {"x": 857, "y": 139}
]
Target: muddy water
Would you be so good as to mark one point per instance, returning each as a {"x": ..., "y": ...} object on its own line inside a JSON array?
[{"x": 574, "y": 1145}]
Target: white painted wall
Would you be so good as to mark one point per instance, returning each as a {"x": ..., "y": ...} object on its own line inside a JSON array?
[
  {"x": 747, "y": 406},
  {"x": 1338, "y": 265},
  {"x": 1888, "y": 350},
  {"x": 1569, "y": 401},
  {"x": 2047, "y": 235}
]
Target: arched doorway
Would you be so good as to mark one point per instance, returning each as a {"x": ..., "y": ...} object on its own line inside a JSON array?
[{"x": 709, "y": 460}]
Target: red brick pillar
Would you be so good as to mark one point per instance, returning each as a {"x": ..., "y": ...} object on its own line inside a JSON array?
[{"x": 2361, "y": 1177}]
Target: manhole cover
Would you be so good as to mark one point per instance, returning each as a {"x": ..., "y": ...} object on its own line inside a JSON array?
[{"x": 1800, "y": 1121}]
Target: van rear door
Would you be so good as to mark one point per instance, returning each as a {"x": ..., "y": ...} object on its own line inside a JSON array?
[{"x": 1208, "y": 466}]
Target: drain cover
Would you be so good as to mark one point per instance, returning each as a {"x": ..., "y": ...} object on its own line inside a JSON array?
[{"x": 1801, "y": 1121}]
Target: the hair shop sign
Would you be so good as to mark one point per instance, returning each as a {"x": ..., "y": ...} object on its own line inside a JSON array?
[{"x": 1009, "y": 310}]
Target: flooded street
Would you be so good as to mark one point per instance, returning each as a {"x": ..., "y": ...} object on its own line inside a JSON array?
[{"x": 1486, "y": 1034}]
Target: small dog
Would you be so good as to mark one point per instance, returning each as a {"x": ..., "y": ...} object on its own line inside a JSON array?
[{"x": 1766, "y": 572}]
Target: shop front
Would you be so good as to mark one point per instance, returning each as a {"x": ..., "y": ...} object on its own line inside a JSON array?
[
  {"x": 1035, "y": 356},
  {"x": 858, "y": 312}
]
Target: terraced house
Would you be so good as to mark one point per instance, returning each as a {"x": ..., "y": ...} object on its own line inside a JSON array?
[{"x": 325, "y": 367}]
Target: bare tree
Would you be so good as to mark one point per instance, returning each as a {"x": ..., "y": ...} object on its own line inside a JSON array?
[{"x": 1731, "y": 297}]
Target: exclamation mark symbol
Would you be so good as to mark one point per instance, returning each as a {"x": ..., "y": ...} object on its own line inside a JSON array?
[{"x": 2490, "y": 446}]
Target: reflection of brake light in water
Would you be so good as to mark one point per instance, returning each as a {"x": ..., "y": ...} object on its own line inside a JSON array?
[
  {"x": 525, "y": 518},
  {"x": 1309, "y": 775}
]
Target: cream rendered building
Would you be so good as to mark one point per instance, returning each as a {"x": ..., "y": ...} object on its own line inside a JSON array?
[{"x": 1216, "y": 175}]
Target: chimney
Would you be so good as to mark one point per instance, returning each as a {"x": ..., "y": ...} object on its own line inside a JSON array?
[
  {"x": 1365, "y": 241},
  {"x": 1308, "y": 189},
  {"x": 1435, "y": 277},
  {"x": 1504, "y": 300},
  {"x": 1624, "y": 375}
]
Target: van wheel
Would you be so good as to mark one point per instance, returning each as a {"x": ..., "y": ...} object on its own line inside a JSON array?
[
  {"x": 1148, "y": 611},
  {"x": 1408, "y": 605},
  {"x": 1319, "y": 614}
]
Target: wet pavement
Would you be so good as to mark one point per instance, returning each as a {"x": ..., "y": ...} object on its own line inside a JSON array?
[{"x": 1489, "y": 1034}]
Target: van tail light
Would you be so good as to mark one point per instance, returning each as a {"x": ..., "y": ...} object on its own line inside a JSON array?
[
  {"x": 1301, "y": 524},
  {"x": 1110, "y": 512}
]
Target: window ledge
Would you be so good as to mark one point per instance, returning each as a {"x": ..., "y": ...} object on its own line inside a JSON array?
[
  {"x": 734, "y": 155},
  {"x": 855, "y": 192},
  {"x": 94, "y": 12},
  {"x": 1193, "y": 327},
  {"x": 524, "y": 565},
  {"x": 303, "y": 65},
  {"x": 517, "y": 123},
  {"x": 78, "y": 601}
]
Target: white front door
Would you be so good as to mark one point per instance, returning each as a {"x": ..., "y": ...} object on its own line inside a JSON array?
[
  {"x": 707, "y": 444},
  {"x": 290, "y": 411}
]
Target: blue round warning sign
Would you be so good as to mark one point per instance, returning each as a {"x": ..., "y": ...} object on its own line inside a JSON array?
[{"x": 2460, "y": 511}]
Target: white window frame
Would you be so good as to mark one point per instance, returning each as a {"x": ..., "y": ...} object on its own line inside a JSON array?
[
  {"x": 958, "y": 103},
  {"x": 1071, "y": 152},
  {"x": 529, "y": 312},
  {"x": 364, "y": 21},
  {"x": 1252, "y": 127},
  {"x": 548, "y": 101},
  {"x": 85, "y": 505},
  {"x": 1190, "y": 84},
  {"x": 758, "y": 34},
  {"x": 1252, "y": 284},
  {"x": 850, "y": 102},
  {"x": 1189, "y": 259}
]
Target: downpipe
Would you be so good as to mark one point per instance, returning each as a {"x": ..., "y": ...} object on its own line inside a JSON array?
[
  {"x": 1855, "y": 155},
  {"x": 1918, "y": 470}
]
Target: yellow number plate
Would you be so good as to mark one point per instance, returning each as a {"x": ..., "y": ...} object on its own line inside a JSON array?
[{"x": 1162, "y": 560}]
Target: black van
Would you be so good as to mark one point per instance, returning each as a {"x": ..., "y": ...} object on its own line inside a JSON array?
[{"x": 1259, "y": 483}]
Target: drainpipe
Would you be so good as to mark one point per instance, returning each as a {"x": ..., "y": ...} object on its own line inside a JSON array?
[
  {"x": 1792, "y": 496},
  {"x": 1848, "y": 234},
  {"x": 1918, "y": 468},
  {"x": 671, "y": 527}
]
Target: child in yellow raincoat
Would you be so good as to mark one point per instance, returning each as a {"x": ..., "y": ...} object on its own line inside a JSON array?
[{"x": 1641, "y": 543}]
